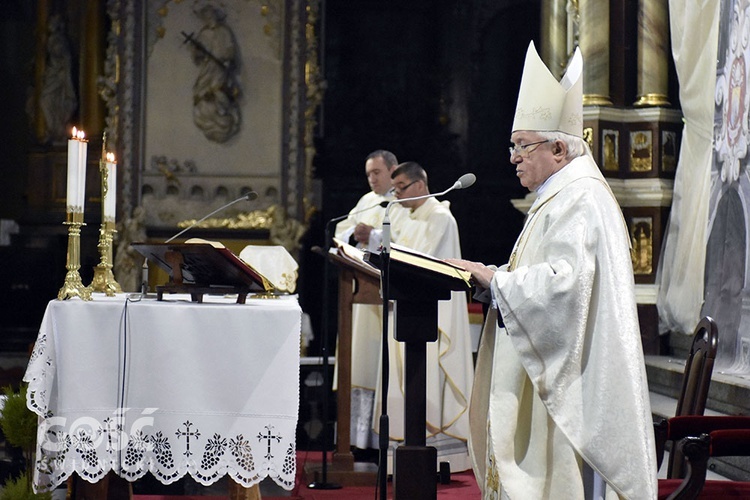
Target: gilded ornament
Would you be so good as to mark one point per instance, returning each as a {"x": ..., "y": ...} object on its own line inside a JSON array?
[{"x": 640, "y": 151}]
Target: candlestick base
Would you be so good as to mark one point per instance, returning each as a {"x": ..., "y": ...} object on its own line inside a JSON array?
[
  {"x": 104, "y": 280},
  {"x": 73, "y": 286}
]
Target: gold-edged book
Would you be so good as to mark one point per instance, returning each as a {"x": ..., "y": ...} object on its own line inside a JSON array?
[{"x": 204, "y": 263}]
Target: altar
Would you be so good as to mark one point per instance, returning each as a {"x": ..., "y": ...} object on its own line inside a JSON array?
[{"x": 170, "y": 387}]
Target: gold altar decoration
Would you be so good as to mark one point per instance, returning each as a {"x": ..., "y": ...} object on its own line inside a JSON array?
[
  {"x": 73, "y": 286},
  {"x": 104, "y": 279},
  {"x": 641, "y": 236},
  {"x": 283, "y": 230},
  {"x": 610, "y": 150},
  {"x": 641, "y": 159}
]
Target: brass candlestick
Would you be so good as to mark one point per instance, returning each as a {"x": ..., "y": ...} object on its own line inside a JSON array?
[
  {"x": 73, "y": 286},
  {"x": 104, "y": 278}
]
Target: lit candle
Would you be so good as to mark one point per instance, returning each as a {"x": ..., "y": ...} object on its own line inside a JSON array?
[
  {"x": 81, "y": 184},
  {"x": 110, "y": 195},
  {"x": 73, "y": 153}
]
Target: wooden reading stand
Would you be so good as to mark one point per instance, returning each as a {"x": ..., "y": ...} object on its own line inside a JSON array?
[
  {"x": 416, "y": 283},
  {"x": 358, "y": 283},
  {"x": 203, "y": 268}
]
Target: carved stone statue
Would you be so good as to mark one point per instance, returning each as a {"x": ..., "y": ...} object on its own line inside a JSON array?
[
  {"x": 216, "y": 109},
  {"x": 57, "y": 100}
]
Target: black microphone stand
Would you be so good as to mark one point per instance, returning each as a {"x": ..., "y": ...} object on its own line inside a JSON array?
[
  {"x": 323, "y": 484},
  {"x": 384, "y": 423}
]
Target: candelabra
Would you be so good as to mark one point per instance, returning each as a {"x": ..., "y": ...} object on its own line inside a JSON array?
[
  {"x": 104, "y": 279},
  {"x": 73, "y": 286}
]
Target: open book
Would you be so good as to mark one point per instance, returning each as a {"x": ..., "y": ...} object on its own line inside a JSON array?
[
  {"x": 205, "y": 263},
  {"x": 407, "y": 256}
]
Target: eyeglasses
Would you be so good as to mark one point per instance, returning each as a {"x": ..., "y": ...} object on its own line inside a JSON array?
[
  {"x": 523, "y": 150},
  {"x": 401, "y": 189}
]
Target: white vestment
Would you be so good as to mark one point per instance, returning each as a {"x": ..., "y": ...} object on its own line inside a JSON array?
[
  {"x": 432, "y": 229},
  {"x": 564, "y": 381}
]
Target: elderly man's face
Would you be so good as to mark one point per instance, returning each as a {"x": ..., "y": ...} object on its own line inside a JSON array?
[{"x": 535, "y": 162}]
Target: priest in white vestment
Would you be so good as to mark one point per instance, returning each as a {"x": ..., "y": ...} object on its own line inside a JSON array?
[
  {"x": 560, "y": 404},
  {"x": 363, "y": 229},
  {"x": 428, "y": 226}
]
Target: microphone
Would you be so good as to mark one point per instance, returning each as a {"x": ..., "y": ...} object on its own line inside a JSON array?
[
  {"x": 382, "y": 204},
  {"x": 250, "y": 196},
  {"x": 466, "y": 180}
]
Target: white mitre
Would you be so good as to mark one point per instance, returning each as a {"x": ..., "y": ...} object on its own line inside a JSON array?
[
  {"x": 275, "y": 263},
  {"x": 546, "y": 105}
]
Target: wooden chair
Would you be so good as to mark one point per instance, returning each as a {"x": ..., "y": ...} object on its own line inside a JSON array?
[
  {"x": 694, "y": 437},
  {"x": 696, "y": 380},
  {"x": 701, "y": 438}
]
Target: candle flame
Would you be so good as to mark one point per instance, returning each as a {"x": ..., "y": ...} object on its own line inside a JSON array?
[
  {"x": 78, "y": 134},
  {"x": 111, "y": 157}
]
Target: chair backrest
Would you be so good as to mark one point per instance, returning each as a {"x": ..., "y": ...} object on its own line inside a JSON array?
[
  {"x": 698, "y": 368},
  {"x": 695, "y": 381}
]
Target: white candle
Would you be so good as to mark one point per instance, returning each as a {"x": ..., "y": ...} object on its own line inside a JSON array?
[
  {"x": 81, "y": 184},
  {"x": 110, "y": 196},
  {"x": 73, "y": 152}
]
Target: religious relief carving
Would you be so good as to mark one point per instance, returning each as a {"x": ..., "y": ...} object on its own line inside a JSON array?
[
  {"x": 170, "y": 168},
  {"x": 641, "y": 159},
  {"x": 641, "y": 236},
  {"x": 610, "y": 150},
  {"x": 57, "y": 97},
  {"x": 216, "y": 92}
]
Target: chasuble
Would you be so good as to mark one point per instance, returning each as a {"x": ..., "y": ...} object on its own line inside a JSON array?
[{"x": 564, "y": 381}]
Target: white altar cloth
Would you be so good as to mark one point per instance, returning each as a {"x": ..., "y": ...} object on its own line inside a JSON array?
[{"x": 170, "y": 387}]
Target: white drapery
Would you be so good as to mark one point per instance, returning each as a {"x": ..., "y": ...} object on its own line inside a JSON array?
[{"x": 695, "y": 33}]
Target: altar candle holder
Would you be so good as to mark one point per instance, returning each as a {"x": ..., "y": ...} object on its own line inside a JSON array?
[
  {"x": 104, "y": 279},
  {"x": 73, "y": 286}
]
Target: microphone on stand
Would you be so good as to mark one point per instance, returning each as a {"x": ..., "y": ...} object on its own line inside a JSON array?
[
  {"x": 466, "y": 180},
  {"x": 323, "y": 483},
  {"x": 250, "y": 196},
  {"x": 382, "y": 204}
]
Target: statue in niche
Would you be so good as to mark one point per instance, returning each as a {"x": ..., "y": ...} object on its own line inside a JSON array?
[
  {"x": 216, "y": 109},
  {"x": 57, "y": 99}
]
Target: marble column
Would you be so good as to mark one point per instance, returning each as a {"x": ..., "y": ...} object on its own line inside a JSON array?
[
  {"x": 555, "y": 26},
  {"x": 653, "y": 46},
  {"x": 593, "y": 39}
]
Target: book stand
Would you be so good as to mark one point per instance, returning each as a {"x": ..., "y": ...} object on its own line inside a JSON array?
[
  {"x": 415, "y": 290},
  {"x": 200, "y": 268}
]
